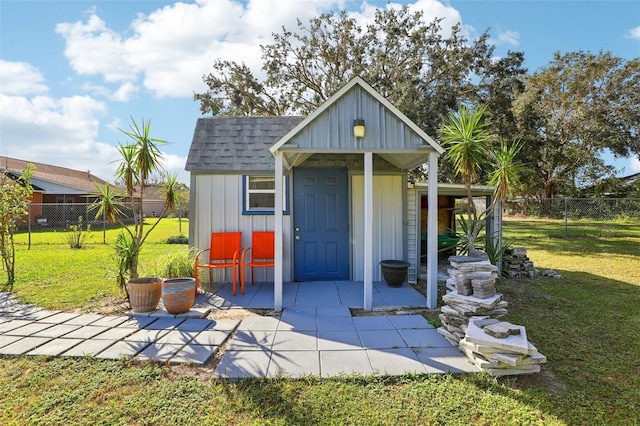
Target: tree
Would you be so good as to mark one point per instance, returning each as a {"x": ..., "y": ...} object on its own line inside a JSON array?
[
  {"x": 140, "y": 159},
  {"x": 469, "y": 148},
  {"x": 570, "y": 113},
  {"x": 15, "y": 195},
  {"x": 410, "y": 62}
]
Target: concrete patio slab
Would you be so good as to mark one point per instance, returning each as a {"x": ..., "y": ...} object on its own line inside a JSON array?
[
  {"x": 158, "y": 352},
  {"x": 395, "y": 361},
  {"x": 335, "y": 324},
  {"x": 29, "y": 329},
  {"x": 211, "y": 337},
  {"x": 243, "y": 364},
  {"x": 445, "y": 360},
  {"x": 7, "y": 340},
  {"x": 86, "y": 332},
  {"x": 338, "y": 340},
  {"x": 144, "y": 335},
  {"x": 13, "y": 324},
  {"x": 55, "y": 347},
  {"x": 89, "y": 348},
  {"x": 59, "y": 318},
  {"x": 223, "y": 325},
  {"x": 110, "y": 321},
  {"x": 295, "y": 340},
  {"x": 381, "y": 339},
  {"x": 259, "y": 323},
  {"x": 337, "y": 363},
  {"x": 57, "y": 330},
  {"x": 121, "y": 349},
  {"x": 409, "y": 321},
  {"x": 294, "y": 364},
  {"x": 116, "y": 333},
  {"x": 194, "y": 354},
  {"x": 193, "y": 324},
  {"x": 84, "y": 319},
  {"x": 24, "y": 345},
  {"x": 178, "y": 337},
  {"x": 424, "y": 338},
  {"x": 373, "y": 323},
  {"x": 251, "y": 341},
  {"x": 165, "y": 323}
]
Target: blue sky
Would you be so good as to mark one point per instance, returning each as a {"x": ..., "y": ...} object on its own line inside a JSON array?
[{"x": 73, "y": 72}]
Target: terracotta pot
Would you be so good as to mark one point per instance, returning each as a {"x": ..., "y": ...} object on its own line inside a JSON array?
[
  {"x": 144, "y": 293},
  {"x": 178, "y": 294},
  {"x": 394, "y": 272}
]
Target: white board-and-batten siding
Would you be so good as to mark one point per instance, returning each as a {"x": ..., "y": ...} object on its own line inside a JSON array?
[{"x": 217, "y": 201}]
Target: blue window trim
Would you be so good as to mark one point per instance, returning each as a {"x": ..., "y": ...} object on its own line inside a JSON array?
[{"x": 266, "y": 212}]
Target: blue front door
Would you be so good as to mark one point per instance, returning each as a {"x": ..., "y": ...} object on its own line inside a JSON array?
[{"x": 321, "y": 224}]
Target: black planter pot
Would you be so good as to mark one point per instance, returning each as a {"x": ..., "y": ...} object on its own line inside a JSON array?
[{"x": 394, "y": 272}]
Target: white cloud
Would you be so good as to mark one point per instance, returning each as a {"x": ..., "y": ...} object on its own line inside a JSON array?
[
  {"x": 172, "y": 47},
  {"x": 633, "y": 33},
  {"x": 509, "y": 37},
  {"x": 19, "y": 78},
  {"x": 634, "y": 164},
  {"x": 55, "y": 131}
]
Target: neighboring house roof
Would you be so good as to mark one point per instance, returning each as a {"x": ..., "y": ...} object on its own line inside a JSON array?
[
  {"x": 236, "y": 143},
  {"x": 53, "y": 179}
]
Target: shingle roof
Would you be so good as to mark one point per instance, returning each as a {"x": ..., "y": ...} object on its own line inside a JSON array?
[
  {"x": 76, "y": 179},
  {"x": 236, "y": 143}
]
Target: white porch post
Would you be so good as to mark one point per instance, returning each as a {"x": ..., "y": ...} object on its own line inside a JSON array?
[
  {"x": 277, "y": 270},
  {"x": 432, "y": 232},
  {"x": 368, "y": 231}
]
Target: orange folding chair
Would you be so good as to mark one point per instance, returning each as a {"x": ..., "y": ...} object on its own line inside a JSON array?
[
  {"x": 224, "y": 252},
  {"x": 262, "y": 254}
]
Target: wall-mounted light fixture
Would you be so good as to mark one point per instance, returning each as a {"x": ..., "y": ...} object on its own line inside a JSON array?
[{"x": 358, "y": 128}]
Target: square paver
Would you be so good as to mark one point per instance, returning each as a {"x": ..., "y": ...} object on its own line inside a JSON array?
[
  {"x": 409, "y": 321},
  {"x": 424, "y": 338},
  {"x": 251, "y": 341},
  {"x": 110, "y": 321},
  {"x": 86, "y": 332},
  {"x": 145, "y": 335},
  {"x": 337, "y": 363},
  {"x": 295, "y": 340},
  {"x": 59, "y": 318},
  {"x": 339, "y": 340},
  {"x": 242, "y": 364},
  {"x": 89, "y": 348},
  {"x": 158, "y": 352},
  {"x": 294, "y": 364},
  {"x": 373, "y": 323},
  {"x": 211, "y": 337},
  {"x": 13, "y": 324},
  {"x": 194, "y": 354},
  {"x": 23, "y": 345},
  {"x": 58, "y": 330},
  {"x": 336, "y": 324},
  {"x": 29, "y": 329},
  {"x": 84, "y": 319},
  {"x": 165, "y": 323},
  {"x": 381, "y": 339},
  {"x": 395, "y": 362},
  {"x": 445, "y": 360},
  {"x": 122, "y": 349},
  {"x": 194, "y": 324},
  {"x": 7, "y": 340},
  {"x": 223, "y": 325},
  {"x": 178, "y": 337},
  {"x": 259, "y": 323},
  {"x": 333, "y": 311},
  {"x": 116, "y": 333},
  {"x": 55, "y": 347},
  {"x": 137, "y": 322},
  {"x": 298, "y": 320}
]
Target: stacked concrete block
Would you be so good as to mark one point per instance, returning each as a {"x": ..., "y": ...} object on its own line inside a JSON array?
[
  {"x": 472, "y": 275},
  {"x": 500, "y": 348},
  {"x": 458, "y": 309},
  {"x": 516, "y": 264}
]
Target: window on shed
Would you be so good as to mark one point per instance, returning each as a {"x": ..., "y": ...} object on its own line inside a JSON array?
[{"x": 260, "y": 195}]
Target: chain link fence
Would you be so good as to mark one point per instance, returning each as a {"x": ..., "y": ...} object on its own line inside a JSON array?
[
  {"x": 579, "y": 217},
  {"x": 47, "y": 223}
]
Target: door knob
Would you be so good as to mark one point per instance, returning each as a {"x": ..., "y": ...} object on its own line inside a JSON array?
[{"x": 297, "y": 237}]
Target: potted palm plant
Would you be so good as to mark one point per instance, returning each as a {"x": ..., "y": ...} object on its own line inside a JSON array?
[{"x": 140, "y": 159}]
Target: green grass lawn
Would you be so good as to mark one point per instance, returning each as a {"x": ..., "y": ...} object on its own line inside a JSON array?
[{"x": 587, "y": 324}]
